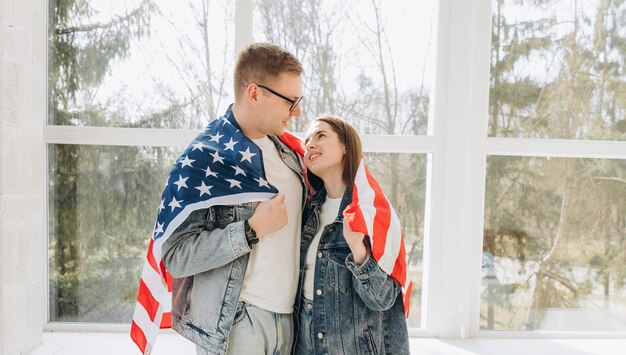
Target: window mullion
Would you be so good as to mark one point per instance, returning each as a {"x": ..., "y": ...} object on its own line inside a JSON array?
[{"x": 461, "y": 108}]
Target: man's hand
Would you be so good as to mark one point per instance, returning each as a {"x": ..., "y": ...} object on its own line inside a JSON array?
[
  {"x": 269, "y": 216},
  {"x": 355, "y": 242}
]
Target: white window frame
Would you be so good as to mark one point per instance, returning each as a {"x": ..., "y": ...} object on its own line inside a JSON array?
[{"x": 457, "y": 149}]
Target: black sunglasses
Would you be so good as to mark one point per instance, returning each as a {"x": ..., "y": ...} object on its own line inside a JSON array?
[{"x": 293, "y": 102}]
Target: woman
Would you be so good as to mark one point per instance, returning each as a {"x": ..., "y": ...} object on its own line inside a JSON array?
[{"x": 346, "y": 303}]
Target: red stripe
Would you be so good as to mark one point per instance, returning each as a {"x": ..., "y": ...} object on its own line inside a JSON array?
[
  {"x": 149, "y": 303},
  {"x": 382, "y": 218},
  {"x": 407, "y": 300},
  {"x": 294, "y": 142},
  {"x": 150, "y": 257},
  {"x": 166, "y": 321},
  {"x": 138, "y": 337},
  {"x": 353, "y": 214},
  {"x": 166, "y": 275},
  {"x": 399, "y": 268}
]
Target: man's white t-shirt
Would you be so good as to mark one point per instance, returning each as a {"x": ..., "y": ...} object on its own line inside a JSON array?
[
  {"x": 271, "y": 279},
  {"x": 328, "y": 214}
]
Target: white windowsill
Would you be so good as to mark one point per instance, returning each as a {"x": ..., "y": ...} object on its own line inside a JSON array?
[{"x": 73, "y": 343}]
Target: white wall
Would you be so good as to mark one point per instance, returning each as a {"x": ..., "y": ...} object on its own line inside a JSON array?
[{"x": 22, "y": 178}]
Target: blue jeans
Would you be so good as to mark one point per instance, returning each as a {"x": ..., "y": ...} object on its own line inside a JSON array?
[
  {"x": 258, "y": 331},
  {"x": 304, "y": 343}
]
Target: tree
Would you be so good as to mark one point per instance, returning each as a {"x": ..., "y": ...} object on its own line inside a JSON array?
[
  {"x": 81, "y": 51},
  {"x": 578, "y": 198}
]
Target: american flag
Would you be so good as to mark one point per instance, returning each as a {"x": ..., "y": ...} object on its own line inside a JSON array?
[
  {"x": 223, "y": 167},
  {"x": 370, "y": 213},
  {"x": 220, "y": 167}
]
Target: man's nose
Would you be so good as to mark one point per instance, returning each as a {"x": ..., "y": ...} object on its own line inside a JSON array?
[{"x": 297, "y": 111}]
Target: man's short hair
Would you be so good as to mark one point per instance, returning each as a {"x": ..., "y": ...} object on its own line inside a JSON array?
[{"x": 262, "y": 63}]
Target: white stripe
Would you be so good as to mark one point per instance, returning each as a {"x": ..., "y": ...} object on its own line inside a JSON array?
[
  {"x": 154, "y": 281},
  {"x": 392, "y": 244},
  {"x": 150, "y": 329},
  {"x": 167, "y": 303},
  {"x": 366, "y": 203}
]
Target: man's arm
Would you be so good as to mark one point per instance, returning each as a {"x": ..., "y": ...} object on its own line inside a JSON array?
[{"x": 195, "y": 246}]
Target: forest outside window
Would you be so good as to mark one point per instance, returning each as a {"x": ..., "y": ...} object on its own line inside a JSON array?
[{"x": 555, "y": 227}]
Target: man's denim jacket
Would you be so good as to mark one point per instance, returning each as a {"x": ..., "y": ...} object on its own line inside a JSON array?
[
  {"x": 357, "y": 309},
  {"x": 207, "y": 256}
]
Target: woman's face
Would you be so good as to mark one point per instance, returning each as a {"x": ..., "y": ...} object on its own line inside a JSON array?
[{"x": 324, "y": 152}]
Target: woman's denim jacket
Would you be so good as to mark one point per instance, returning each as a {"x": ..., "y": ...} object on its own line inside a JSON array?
[
  {"x": 207, "y": 256},
  {"x": 357, "y": 309}
]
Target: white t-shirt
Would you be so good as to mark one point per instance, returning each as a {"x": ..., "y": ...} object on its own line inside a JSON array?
[
  {"x": 328, "y": 214},
  {"x": 271, "y": 279}
]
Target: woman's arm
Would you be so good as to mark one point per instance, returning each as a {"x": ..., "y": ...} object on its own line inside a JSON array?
[
  {"x": 377, "y": 289},
  {"x": 371, "y": 283}
]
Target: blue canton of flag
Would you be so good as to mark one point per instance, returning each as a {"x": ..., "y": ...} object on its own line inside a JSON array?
[{"x": 220, "y": 167}]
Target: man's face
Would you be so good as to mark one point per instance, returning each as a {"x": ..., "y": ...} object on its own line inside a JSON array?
[{"x": 274, "y": 114}]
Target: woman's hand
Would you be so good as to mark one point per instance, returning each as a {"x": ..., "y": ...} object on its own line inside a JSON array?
[{"x": 355, "y": 242}]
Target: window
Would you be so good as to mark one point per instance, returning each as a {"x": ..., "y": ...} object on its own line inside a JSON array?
[
  {"x": 131, "y": 81},
  {"x": 554, "y": 227},
  {"x": 505, "y": 161}
]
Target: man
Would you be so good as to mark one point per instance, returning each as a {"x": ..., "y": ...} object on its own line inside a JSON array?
[{"x": 235, "y": 264}]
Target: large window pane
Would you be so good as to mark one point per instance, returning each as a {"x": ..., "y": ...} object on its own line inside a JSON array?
[
  {"x": 140, "y": 63},
  {"x": 371, "y": 62},
  {"x": 101, "y": 211},
  {"x": 554, "y": 244},
  {"x": 403, "y": 179},
  {"x": 557, "y": 69}
]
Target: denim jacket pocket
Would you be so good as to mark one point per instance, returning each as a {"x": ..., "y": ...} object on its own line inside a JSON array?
[
  {"x": 240, "y": 312},
  {"x": 224, "y": 215},
  {"x": 368, "y": 341},
  {"x": 341, "y": 278},
  {"x": 245, "y": 210}
]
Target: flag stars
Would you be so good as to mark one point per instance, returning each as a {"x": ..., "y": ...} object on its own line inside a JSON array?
[
  {"x": 162, "y": 205},
  {"x": 198, "y": 145},
  {"x": 186, "y": 162},
  {"x": 238, "y": 170},
  {"x": 231, "y": 144},
  {"x": 209, "y": 172},
  {"x": 217, "y": 158},
  {"x": 204, "y": 189},
  {"x": 182, "y": 182},
  {"x": 262, "y": 182},
  {"x": 247, "y": 155},
  {"x": 234, "y": 183},
  {"x": 175, "y": 203},
  {"x": 216, "y": 138},
  {"x": 158, "y": 229}
]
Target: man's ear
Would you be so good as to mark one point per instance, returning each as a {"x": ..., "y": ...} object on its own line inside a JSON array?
[{"x": 252, "y": 94}]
